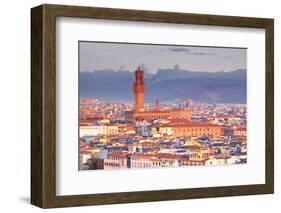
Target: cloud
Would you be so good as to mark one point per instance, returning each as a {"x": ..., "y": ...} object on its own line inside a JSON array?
[
  {"x": 202, "y": 53},
  {"x": 143, "y": 67},
  {"x": 189, "y": 52},
  {"x": 179, "y": 49},
  {"x": 121, "y": 68}
]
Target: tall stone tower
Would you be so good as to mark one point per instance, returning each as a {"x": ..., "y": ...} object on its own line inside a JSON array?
[{"x": 139, "y": 90}]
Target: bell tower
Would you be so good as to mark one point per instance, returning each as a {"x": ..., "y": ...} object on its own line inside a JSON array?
[{"x": 139, "y": 88}]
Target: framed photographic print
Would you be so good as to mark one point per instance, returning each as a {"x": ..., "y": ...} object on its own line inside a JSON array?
[{"x": 136, "y": 106}]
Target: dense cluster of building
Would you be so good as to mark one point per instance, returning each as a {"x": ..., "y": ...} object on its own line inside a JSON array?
[{"x": 126, "y": 135}]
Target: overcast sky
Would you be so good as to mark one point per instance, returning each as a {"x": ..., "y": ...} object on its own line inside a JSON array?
[{"x": 123, "y": 56}]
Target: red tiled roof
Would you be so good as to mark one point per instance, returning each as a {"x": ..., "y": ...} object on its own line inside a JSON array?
[{"x": 191, "y": 124}]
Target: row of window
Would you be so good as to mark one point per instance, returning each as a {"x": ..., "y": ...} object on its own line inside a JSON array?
[
  {"x": 195, "y": 129},
  {"x": 194, "y": 163},
  {"x": 111, "y": 164},
  {"x": 145, "y": 165},
  {"x": 155, "y": 116},
  {"x": 196, "y": 155},
  {"x": 195, "y": 134}
]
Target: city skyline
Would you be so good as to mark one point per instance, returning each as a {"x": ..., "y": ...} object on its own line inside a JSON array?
[
  {"x": 133, "y": 135},
  {"x": 148, "y": 106},
  {"x": 95, "y": 56}
]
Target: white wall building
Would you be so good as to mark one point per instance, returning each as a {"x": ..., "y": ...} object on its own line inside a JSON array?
[{"x": 98, "y": 130}]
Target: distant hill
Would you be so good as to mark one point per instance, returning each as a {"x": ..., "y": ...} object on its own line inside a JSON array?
[{"x": 167, "y": 84}]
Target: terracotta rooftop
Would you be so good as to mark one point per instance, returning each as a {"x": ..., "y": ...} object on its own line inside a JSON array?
[{"x": 190, "y": 124}]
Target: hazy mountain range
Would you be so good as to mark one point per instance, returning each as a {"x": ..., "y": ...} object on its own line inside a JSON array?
[{"x": 167, "y": 85}]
